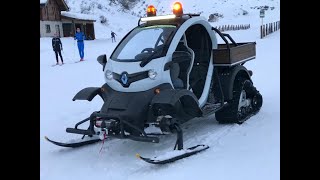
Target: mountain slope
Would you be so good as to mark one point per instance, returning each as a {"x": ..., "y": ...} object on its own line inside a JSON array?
[{"x": 122, "y": 20}]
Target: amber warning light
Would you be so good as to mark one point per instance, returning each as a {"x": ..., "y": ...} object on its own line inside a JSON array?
[
  {"x": 177, "y": 9},
  {"x": 151, "y": 11}
]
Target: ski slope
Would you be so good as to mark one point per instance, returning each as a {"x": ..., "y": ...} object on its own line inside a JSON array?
[
  {"x": 249, "y": 151},
  {"x": 121, "y": 20}
]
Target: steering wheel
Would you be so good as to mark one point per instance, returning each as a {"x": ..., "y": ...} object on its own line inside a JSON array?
[{"x": 149, "y": 50}]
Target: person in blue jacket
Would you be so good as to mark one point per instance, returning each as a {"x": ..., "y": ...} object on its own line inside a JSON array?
[{"x": 80, "y": 37}]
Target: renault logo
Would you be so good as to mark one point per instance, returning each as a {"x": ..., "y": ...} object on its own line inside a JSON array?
[{"x": 124, "y": 78}]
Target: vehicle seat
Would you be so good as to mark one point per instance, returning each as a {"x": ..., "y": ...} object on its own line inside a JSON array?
[
  {"x": 186, "y": 66},
  {"x": 174, "y": 73}
]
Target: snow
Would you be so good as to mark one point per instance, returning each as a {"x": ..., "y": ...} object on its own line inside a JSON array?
[
  {"x": 117, "y": 20},
  {"x": 231, "y": 9},
  {"x": 237, "y": 152},
  {"x": 77, "y": 15},
  {"x": 121, "y": 21}
]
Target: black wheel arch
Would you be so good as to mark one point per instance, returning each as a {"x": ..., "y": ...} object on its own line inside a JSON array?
[
  {"x": 172, "y": 101},
  {"x": 227, "y": 77},
  {"x": 88, "y": 94}
]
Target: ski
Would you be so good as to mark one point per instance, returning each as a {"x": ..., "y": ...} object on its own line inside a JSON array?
[
  {"x": 176, "y": 155},
  {"x": 73, "y": 144},
  {"x": 79, "y": 61},
  {"x": 57, "y": 65}
]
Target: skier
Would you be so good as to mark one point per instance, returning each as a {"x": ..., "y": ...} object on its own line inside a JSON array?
[
  {"x": 80, "y": 37},
  {"x": 113, "y": 37},
  {"x": 57, "y": 47}
]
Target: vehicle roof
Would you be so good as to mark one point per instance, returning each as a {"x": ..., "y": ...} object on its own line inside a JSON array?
[{"x": 177, "y": 21}]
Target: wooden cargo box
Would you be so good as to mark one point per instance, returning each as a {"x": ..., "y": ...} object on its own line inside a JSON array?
[{"x": 224, "y": 56}]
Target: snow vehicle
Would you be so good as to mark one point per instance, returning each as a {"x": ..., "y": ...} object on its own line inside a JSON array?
[{"x": 164, "y": 72}]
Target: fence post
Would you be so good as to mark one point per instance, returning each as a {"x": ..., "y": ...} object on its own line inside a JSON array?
[
  {"x": 269, "y": 30},
  {"x": 279, "y": 24}
]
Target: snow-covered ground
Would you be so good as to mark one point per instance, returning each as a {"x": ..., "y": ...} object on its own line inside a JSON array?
[{"x": 249, "y": 151}]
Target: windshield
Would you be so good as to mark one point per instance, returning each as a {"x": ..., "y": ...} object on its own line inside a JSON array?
[{"x": 144, "y": 42}]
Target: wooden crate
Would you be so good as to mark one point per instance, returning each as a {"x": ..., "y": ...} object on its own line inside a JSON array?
[{"x": 224, "y": 56}]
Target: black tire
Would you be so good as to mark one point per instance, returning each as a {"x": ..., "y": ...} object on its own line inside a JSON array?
[{"x": 230, "y": 113}]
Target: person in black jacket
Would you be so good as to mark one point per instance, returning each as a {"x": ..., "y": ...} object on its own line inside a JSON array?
[
  {"x": 113, "y": 38},
  {"x": 57, "y": 47}
]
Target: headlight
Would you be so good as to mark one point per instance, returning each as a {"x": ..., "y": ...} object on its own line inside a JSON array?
[
  {"x": 109, "y": 75},
  {"x": 152, "y": 74}
]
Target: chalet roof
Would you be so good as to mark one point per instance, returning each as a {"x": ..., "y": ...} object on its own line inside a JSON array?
[
  {"x": 78, "y": 16},
  {"x": 61, "y": 3}
]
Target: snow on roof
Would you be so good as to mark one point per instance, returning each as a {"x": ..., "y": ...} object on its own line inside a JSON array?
[
  {"x": 43, "y": 1},
  {"x": 77, "y": 15}
]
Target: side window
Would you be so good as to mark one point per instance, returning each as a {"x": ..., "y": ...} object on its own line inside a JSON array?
[{"x": 48, "y": 30}]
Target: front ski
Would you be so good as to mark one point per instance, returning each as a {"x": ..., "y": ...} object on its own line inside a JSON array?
[
  {"x": 176, "y": 155},
  {"x": 73, "y": 144}
]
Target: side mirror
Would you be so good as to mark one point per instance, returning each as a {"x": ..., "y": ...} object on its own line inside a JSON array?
[
  {"x": 178, "y": 57},
  {"x": 102, "y": 59}
]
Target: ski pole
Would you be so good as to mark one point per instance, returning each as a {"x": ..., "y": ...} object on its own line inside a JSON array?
[{"x": 74, "y": 46}]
